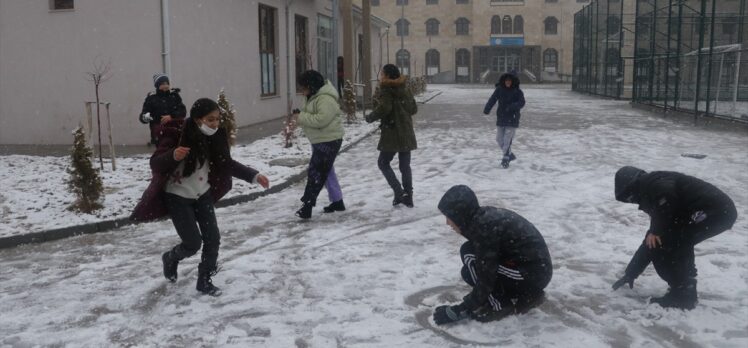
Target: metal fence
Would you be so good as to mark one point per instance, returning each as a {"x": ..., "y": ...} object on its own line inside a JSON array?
[
  {"x": 599, "y": 45},
  {"x": 686, "y": 55},
  {"x": 691, "y": 56}
]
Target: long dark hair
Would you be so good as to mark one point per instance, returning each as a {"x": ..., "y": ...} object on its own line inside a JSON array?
[
  {"x": 312, "y": 80},
  {"x": 193, "y": 138}
]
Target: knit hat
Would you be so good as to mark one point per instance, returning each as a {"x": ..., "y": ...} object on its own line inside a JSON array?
[{"x": 159, "y": 79}]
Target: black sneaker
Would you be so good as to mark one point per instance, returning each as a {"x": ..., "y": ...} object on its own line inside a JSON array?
[
  {"x": 504, "y": 164},
  {"x": 512, "y": 157},
  {"x": 486, "y": 313},
  {"x": 305, "y": 212},
  {"x": 681, "y": 297},
  {"x": 397, "y": 200},
  {"x": 205, "y": 285},
  {"x": 525, "y": 304},
  {"x": 170, "y": 266},
  {"x": 335, "y": 206}
]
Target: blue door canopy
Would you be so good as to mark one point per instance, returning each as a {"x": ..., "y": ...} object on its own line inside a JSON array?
[{"x": 507, "y": 41}]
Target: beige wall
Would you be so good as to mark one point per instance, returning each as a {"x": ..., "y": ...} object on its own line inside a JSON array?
[{"x": 44, "y": 56}]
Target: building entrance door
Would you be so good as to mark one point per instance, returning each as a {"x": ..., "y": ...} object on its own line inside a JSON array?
[{"x": 505, "y": 61}]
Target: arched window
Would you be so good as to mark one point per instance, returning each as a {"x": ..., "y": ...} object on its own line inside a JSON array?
[
  {"x": 463, "y": 26},
  {"x": 432, "y": 2},
  {"x": 401, "y": 2},
  {"x": 496, "y": 25},
  {"x": 550, "y": 60},
  {"x": 432, "y": 27},
  {"x": 432, "y": 62},
  {"x": 402, "y": 60},
  {"x": 519, "y": 25},
  {"x": 462, "y": 57},
  {"x": 403, "y": 27},
  {"x": 506, "y": 25},
  {"x": 551, "y": 26},
  {"x": 614, "y": 25}
]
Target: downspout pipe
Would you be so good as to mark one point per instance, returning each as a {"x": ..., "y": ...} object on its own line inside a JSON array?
[
  {"x": 289, "y": 83},
  {"x": 165, "y": 37}
]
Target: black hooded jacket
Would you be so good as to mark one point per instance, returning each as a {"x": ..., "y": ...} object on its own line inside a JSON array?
[
  {"x": 511, "y": 101},
  {"x": 500, "y": 237},
  {"x": 669, "y": 198},
  {"x": 161, "y": 103}
]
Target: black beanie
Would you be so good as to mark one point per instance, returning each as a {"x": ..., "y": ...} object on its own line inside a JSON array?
[{"x": 159, "y": 79}]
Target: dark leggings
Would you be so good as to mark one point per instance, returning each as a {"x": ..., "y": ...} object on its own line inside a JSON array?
[
  {"x": 384, "y": 165},
  {"x": 189, "y": 214},
  {"x": 323, "y": 158}
]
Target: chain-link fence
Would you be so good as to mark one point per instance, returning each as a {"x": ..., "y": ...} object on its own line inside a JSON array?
[
  {"x": 685, "y": 55},
  {"x": 599, "y": 48},
  {"x": 691, "y": 56}
]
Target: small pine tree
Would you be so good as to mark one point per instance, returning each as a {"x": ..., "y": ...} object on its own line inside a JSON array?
[
  {"x": 349, "y": 101},
  {"x": 228, "y": 116},
  {"x": 84, "y": 180}
]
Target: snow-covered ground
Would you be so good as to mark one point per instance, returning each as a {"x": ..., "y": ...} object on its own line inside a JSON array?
[
  {"x": 371, "y": 276},
  {"x": 35, "y": 196}
]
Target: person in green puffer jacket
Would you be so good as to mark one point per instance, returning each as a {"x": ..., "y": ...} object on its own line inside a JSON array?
[
  {"x": 395, "y": 112},
  {"x": 320, "y": 120}
]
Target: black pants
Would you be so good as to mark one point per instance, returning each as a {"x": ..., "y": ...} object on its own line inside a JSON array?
[
  {"x": 384, "y": 165},
  {"x": 674, "y": 260},
  {"x": 323, "y": 158},
  {"x": 512, "y": 284},
  {"x": 187, "y": 215}
]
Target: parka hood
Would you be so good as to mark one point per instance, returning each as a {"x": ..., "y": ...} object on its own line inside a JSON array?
[
  {"x": 515, "y": 80},
  {"x": 327, "y": 89},
  {"x": 626, "y": 180},
  {"x": 460, "y": 205},
  {"x": 400, "y": 81}
]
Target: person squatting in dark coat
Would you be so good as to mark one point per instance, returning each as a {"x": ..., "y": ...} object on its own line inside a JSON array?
[
  {"x": 511, "y": 100},
  {"x": 161, "y": 106},
  {"x": 505, "y": 260},
  {"x": 684, "y": 211},
  {"x": 395, "y": 111},
  {"x": 192, "y": 169}
]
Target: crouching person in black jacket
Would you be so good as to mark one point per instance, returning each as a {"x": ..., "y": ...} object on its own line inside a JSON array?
[
  {"x": 505, "y": 260},
  {"x": 161, "y": 106},
  {"x": 684, "y": 211}
]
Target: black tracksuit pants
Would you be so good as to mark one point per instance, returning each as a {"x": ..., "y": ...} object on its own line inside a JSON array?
[
  {"x": 323, "y": 159},
  {"x": 195, "y": 221},
  {"x": 510, "y": 284},
  {"x": 674, "y": 261}
]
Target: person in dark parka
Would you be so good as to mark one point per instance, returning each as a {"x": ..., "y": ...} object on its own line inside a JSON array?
[
  {"x": 684, "y": 211},
  {"x": 395, "y": 112},
  {"x": 511, "y": 100},
  {"x": 161, "y": 106},
  {"x": 505, "y": 259}
]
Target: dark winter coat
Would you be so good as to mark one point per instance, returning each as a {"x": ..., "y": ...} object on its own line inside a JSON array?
[
  {"x": 500, "y": 237},
  {"x": 161, "y": 103},
  {"x": 669, "y": 198},
  {"x": 395, "y": 111},
  {"x": 511, "y": 101},
  {"x": 163, "y": 164}
]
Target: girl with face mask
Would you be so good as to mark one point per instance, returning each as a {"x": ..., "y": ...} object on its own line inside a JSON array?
[{"x": 192, "y": 169}]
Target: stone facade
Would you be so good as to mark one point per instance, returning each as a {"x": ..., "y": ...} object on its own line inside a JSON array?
[{"x": 524, "y": 48}]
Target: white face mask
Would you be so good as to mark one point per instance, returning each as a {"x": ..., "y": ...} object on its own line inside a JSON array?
[{"x": 207, "y": 130}]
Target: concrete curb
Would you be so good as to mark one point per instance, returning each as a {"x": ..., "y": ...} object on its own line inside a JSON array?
[{"x": 109, "y": 225}]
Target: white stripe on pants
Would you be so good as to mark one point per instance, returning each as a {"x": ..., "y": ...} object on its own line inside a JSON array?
[{"x": 504, "y": 136}]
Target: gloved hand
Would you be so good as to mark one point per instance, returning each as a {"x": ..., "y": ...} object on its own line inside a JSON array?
[
  {"x": 449, "y": 314},
  {"x": 147, "y": 117},
  {"x": 623, "y": 280}
]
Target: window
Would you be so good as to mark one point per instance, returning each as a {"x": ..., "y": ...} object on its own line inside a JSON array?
[
  {"x": 326, "y": 63},
  {"x": 401, "y": 2},
  {"x": 432, "y": 27},
  {"x": 614, "y": 25},
  {"x": 583, "y": 0},
  {"x": 550, "y": 60},
  {"x": 267, "y": 50},
  {"x": 432, "y": 62},
  {"x": 506, "y": 25},
  {"x": 463, "y": 26},
  {"x": 519, "y": 25},
  {"x": 496, "y": 25},
  {"x": 462, "y": 57},
  {"x": 730, "y": 25},
  {"x": 61, "y": 5},
  {"x": 403, "y": 27},
  {"x": 432, "y": 2},
  {"x": 302, "y": 50},
  {"x": 551, "y": 26},
  {"x": 551, "y": 0},
  {"x": 402, "y": 60},
  {"x": 374, "y": 2},
  {"x": 463, "y": 2}
]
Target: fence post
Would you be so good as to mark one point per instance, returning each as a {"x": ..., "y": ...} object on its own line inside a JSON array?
[
  {"x": 711, "y": 54},
  {"x": 698, "y": 61}
]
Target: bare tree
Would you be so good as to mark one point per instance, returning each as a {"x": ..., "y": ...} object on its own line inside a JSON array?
[{"x": 102, "y": 71}]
